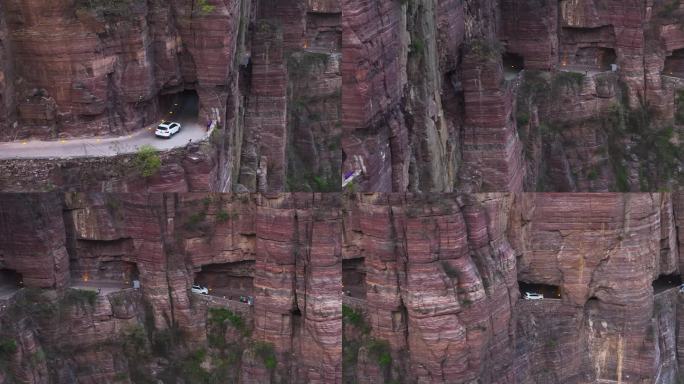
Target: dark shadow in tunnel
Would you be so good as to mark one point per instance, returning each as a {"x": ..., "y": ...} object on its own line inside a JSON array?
[
  {"x": 513, "y": 64},
  {"x": 674, "y": 64},
  {"x": 182, "y": 106},
  {"x": 354, "y": 277},
  {"x": 10, "y": 278},
  {"x": 513, "y": 61},
  {"x": 229, "y": 280},
  {"x": 664, "y": 282}
]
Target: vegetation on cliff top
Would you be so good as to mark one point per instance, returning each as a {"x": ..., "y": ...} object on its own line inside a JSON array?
[
  {"x": 7, "y": 348},
  {"x": 147, "y": 161}
]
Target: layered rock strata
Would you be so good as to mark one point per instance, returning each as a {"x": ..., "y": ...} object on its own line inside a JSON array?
[
  {"x": 81, "y": 68},
  {"x": 291, "y": 332},
  {"x": 439, "y": 282},
  {"x": 434, "y": 98}
]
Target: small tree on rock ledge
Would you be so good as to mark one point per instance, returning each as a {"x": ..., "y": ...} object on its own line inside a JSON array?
[{"x": 147, "y": 161}]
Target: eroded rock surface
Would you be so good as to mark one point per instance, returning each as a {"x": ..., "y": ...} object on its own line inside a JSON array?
[
  {"x": 440, "y": 95},
  {"x": 435, "y": 288},
  {"x": 81, "y": 257}
]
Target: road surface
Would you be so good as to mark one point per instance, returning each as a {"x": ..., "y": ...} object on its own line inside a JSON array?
[
  {"x": 103, "y": 146},
  {"x": 105, "y": 287}
]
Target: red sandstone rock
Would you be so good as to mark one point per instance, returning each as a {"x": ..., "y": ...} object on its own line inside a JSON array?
[{"x": 166, "y": 242}]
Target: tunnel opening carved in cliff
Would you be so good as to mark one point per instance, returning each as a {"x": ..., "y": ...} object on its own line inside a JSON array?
[
  {"x": 665, "y": 282},
  {"x": 10, "y": 282},
  {"x": 597, "y": 58},
  {"x": 549, "y": 291},
  {"x": 674, "y": 64},
  {"x": 233, "y": 280},
  {"x": 354, "y": 277},
  {"x": 106, "y": 273},
  {"x": 513, "y": 64},
  {"x": 182, "y": 106}
]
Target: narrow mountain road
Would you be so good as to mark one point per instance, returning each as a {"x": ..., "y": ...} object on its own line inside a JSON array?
[{"x": 103, "y": 146}]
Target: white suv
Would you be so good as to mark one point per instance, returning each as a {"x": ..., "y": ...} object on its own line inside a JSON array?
[
  {"x": 533, "y": 296},
  {"x": 196, "y": 288},
  {"x": 167, "y": 129}
]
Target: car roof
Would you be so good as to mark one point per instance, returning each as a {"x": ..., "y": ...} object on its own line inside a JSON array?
[{"x": 167, "y": 124}]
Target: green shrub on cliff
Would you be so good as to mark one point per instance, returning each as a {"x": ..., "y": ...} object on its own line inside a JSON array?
[
  {"x": 380, "y": 351},
  {"x": 203, "y": 7},
  {"x": 221, "y": 316},
  {"x": 417, "y": 46},
  {"x": 147, "y": 161},
  {"x": 222, "y": 216},
  {"x": 7, "y": 348},
  {"x": 80, "y": 298},
  {"x": 355, "y": 318},
  {"x": 266, "y": 353}
]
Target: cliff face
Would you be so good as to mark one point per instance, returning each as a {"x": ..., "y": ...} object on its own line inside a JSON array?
[
  {"x": 439, "y": 289},
  {"x": 417, "y": 96},
  {"x": 434, "y": 288},
  {"x": 511, "y": 96},
  {"x": 266, "y": 71},
  {"x": 279, "y": 250}
]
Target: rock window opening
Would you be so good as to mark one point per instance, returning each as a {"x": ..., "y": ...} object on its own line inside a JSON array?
[
  {"x": 107, "y": 274},
  {"x": 664, "y": 282},
  {"x": 513, "y": 65},
  {"x": 530, "y": 290},
  {"x": 233, "y": 281},
  {"x": 10, "y": 282},
  {"x": 674, "y": 64},
  {"x": 123, "y": 271},
  {"x": 354, "y": 277},
  {"x": 595, "y": 58}
]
